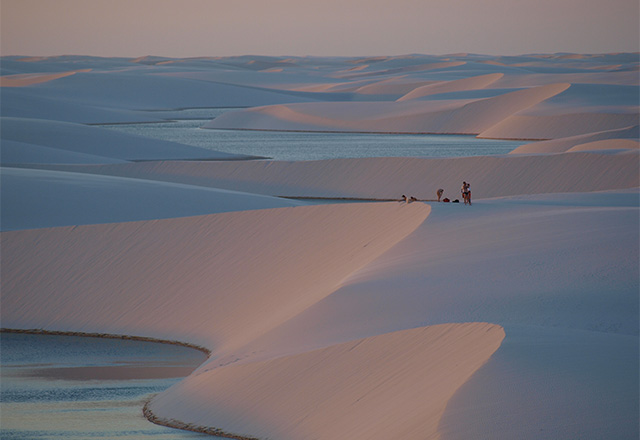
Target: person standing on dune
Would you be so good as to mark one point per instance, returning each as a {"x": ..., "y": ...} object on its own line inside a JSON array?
[{"x": 466, "y": 192}]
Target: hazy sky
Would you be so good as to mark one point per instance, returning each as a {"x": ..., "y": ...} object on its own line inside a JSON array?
[{"x": 183, "y": 28}]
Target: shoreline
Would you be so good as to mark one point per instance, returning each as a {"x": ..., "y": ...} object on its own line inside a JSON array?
[
  {"x": 475, "y": 135},
  {"x": 37, "y": 331},
  {"x": 148, "y": 414},
  {"x": 176, "y": 424},
  {"x": 418, "y": 133},
  {"x": 353, "y": 199}
]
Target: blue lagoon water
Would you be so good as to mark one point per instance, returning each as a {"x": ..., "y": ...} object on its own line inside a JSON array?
[
  {"x": 279, "y": 145},
  {"x": 67, "y": 387}
]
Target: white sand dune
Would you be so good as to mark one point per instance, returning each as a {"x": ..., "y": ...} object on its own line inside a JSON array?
[
  {"x": 106, "y": 94},
  {"x": 525, "y": 262},
  {"x": 193, "y": 278},
  {"x": 568, "y": 143},
  {"x": 582, "y": 108},
  {"x": 41, "y": 199},
  {"x": 404, "y": 69},
  {"x": 516, "y": 317},
  {"x": 96, "y": 141},
  {"x": 392, "y": 177},
  {"x": 570, "y": 383},
  {"x": 464, "y": 117},
  {"x": 530, "y": 265},
  {"x": 590, "y": 100},
  {"x": 16, "y": 152},
  {"x": 272, "y": 399},
  {"x": 25, "y": 103},
  {"x": 475, "y": 82},
  {"x": 558, "y": 126},
  {"x": 528, "y": 79},
  {"x": 29, "y": 79},
  {"x": 613, "y": 144},
  {"x": 392, "y": 86}
]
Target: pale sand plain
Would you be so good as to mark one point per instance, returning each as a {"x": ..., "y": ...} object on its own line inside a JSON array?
[{"x": 516, "y": 317}]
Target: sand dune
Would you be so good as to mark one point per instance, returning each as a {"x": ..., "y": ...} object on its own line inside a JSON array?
[
  {"x": 567, "y": 143},
  {"x": 476, "y": 82},
  {"x": 462, "y": 117},
  {"x": 558, "y": 126},
  {"x": 535, "y": 265},
  {"x": 131, "y": 90},
  {"x": 404, "y": 69},
  {"x": 42, "y": 199},
  {"x": 613, "y": 144},
  {"x": 16, "y": 152},
  {"x": 96, "y": 141},
  {"x": 526, "y": 262},
  {"x": 272, "y": 399},
  {"x": 553, "y": 376},
  {"x": 392, "y": 177},
  {"x": 516, "y": 317},
  {"x": 528, "y": 79},
  {"x": 391, "y": 86},
  {"x": 29, "y": 79},
  {"x": 218, "y": 280},
  {"x": 22, "y": 102}
]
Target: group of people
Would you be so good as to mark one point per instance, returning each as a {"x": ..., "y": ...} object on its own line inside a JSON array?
[
  {"x": 408, "y": 199},
  {"x": 465, "y": 191}
]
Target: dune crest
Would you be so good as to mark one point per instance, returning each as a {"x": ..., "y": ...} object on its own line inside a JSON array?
[
  {"x": 402, "y": 393},
  {"x": 411, "y": 116},
  {"x": 567, "y": 143},
  {"x": 611, "y": 144},
  {"x": 192, "y": 278},
  {"x": 29, "y": 79},
  {"x": 475, "y": 82},
  {"x": 558, "y": 126}
]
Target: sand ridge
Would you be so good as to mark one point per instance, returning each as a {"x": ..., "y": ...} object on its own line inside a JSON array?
[
  {"x": 392, "y": 177},
  {"x": 29, "y": 79},
  {"x": 402, "y": 394},
  {"x": 203, "y": 283}
]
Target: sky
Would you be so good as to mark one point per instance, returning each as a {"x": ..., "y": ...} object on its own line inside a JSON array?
[{"x": 187, "y": 28}]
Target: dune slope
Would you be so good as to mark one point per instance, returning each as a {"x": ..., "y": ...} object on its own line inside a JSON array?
[
  {"x": 490, "y": 176},
  {"x": 402, "y": 393},
  {"x": 218, "y": 280},
  {"x": 42, "y": 199}
]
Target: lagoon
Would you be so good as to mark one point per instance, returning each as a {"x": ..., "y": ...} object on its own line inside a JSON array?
[
  {"x": 83, "y": 388},
  {"x": 294, "y": 146}
]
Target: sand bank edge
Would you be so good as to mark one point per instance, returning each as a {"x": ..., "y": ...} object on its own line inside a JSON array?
[{"x": 39, "y": 331}]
